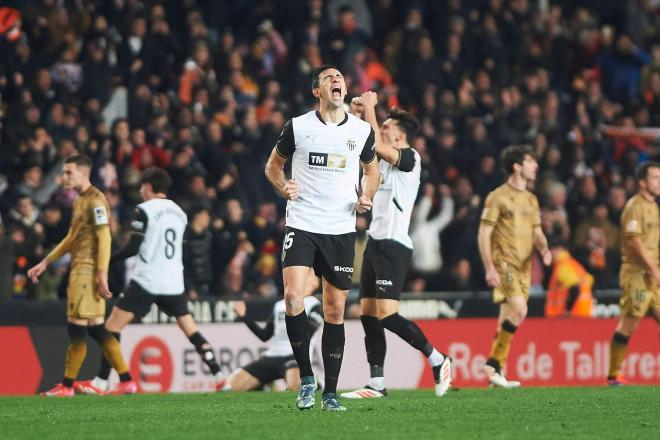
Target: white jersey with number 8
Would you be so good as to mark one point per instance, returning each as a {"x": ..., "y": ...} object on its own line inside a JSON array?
[{"x": 160, "y": 258}]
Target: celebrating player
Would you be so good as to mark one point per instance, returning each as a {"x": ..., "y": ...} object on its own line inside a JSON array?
[
  {"x": 389, "y": 249},
  {"x": 157, "y": 234},
  {"x": 277, "y": 362},
  {"x": 327, "y": 148},
  {"x": 510, "y": 229},
  {"x": 640, "y": 274},
  {"x": 88, "y": 241}
]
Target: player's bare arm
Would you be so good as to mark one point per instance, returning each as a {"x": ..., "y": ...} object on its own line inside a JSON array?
[
  {"x": 387, "y": 152},
  {"x": 484, "y": 242},
  {"x": 541, "y": 245},
  {"x": 369, "y": 183},
  {"x": 274, "y": 171},
  {"x": 635, "y": 244}
]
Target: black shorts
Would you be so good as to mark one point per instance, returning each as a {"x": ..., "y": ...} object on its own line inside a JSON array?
[
  {"x": 384, "y": 269},
  {"x": 138, "y": 301},
  {"x": 331, "y": 256},
  {"x": 269, "y": 368}
]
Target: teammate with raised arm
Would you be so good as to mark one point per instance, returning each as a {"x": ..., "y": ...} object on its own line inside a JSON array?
[
  {"x": 88, "y": 240},
  {"x": 327, "y": 148},
  {"x": 157, "y": 235},
  {"x": 389, "y": 250},
  {"x": 510, "y": 230}
]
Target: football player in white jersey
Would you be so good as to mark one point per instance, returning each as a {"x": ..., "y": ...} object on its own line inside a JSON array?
[
  {"x": 277, "y": 362},
  {"x": 327, "y": 148},
  {"x": 157, "y": 235},
  {"x": 389, "y": 249}
]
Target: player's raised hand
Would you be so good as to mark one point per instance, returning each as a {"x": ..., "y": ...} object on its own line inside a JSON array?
[
  {"x": 240, "y": 309},
  {"x": 364, "y": 204},
  {"x": 37, "y": 270},
  {"x": 291, "y": 190},
  {"x": 493, "y": 278},
  {"x": 369, "y": 99},
  {"x": 356, "y": 107},
  {"x": 104, "y": 290}
]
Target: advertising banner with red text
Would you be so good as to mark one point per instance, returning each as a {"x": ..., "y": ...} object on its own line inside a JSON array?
[{"x": 544, "y": 353}]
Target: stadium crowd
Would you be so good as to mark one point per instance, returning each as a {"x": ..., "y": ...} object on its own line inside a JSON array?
[{"x": 202, "y": 88}]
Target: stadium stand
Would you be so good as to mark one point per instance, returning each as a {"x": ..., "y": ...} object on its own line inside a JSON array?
[{"x": 203, "y": 88}]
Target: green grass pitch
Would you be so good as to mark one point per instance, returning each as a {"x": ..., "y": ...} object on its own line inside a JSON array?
[{"x": 598, "y": 413}]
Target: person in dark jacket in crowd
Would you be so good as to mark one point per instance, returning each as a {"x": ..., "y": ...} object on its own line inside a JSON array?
[{"x": 198, "y": 273}]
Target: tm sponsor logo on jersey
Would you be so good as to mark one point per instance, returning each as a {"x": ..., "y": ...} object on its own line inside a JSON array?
[
  {"x": 384, "y": 283},
  {"x": 346, "y": 269},
  {"x": 331, "y": 162}
]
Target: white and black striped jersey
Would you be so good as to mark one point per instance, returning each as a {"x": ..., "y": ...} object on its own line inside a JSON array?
[
  {"x": 159, "y": 268},
  {"x": 275, "y": 330},
  {"x": 326, "y": 164},
  {"x": 395, "y": 198}
]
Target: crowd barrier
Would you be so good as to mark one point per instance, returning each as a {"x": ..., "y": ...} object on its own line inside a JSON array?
[{"x": 544, "y": 353}]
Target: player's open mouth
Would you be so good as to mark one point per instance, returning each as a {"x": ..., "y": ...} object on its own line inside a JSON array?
[{"x": 336, "y": 92}]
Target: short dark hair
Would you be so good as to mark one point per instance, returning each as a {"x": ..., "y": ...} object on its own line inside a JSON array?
[
  {"x": 318, "y": 71},
  {"x": 158, "y": 178},
  {"x": 198, "y": 208},
  {"x": 642, "y": 170},
  {"x": 80, "y": 160},
  {"x": 515, "y": 154},
  {"x": 406, "y": 121}
]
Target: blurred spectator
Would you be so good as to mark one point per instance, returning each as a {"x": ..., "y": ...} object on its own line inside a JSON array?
[
  {"x": 621, "y": 66},
  {"x": 570, "y": 287},
  {"x": 34, "y": 186},
  {"x": 267, "y": 283},
  {"x": 601, "y": 262},
  {"x": 430, "y": 218},
  {"x": 345, "y": 38},
  {"x": 460, "y": 277},
  {"x": 55, "y": 225},
  {"x": 598, "y": 218},
  {"x": 554, "y": 217},
  {"x": 459, "y": 237},
  {"x": 205, "y": 91},
  {"x": 197, "y": 254}
]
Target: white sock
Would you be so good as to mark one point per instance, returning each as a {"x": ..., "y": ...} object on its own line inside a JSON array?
[
  {"x": 436, "y": 358},
  {"x": 377, "y": 383},
  {"x": 219, "y": 377},
  {"x": 101, "y": 384}
]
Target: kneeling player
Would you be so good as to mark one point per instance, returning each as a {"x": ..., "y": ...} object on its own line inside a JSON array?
[
  {"x": 278, "y": 361},
  {"x": 157, "y": 233},
  {"x": 388, "y": 252}
]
